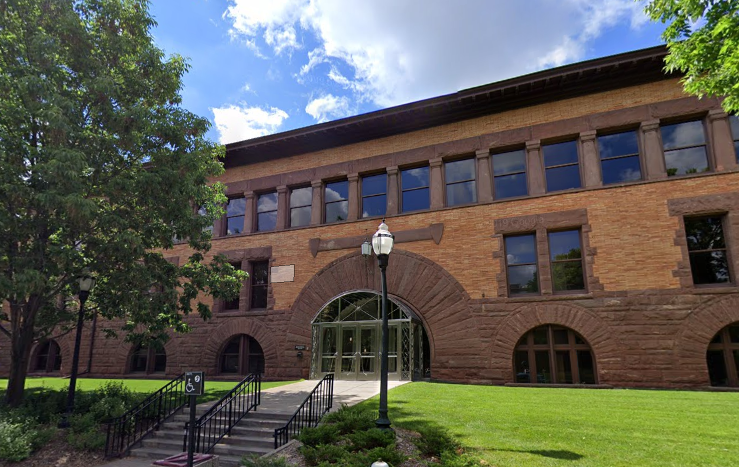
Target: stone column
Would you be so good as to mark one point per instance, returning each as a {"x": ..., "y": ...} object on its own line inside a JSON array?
[
  {"x": 282, "y": 208},
  {"x": 654, "y": 156},
  {"x": 353, "y": 196},
  {"x": 316, "y": 207},
  {"x": 535, "y": 168},
  {"x": 484, "y": 182},
  {"x": 722, "y": 141},
  {"x": 591, "y": 168},
  {"x": 250, "y": 209},
  {"x": 393, "y": 202},
  {"x": 436, "y": 184}
]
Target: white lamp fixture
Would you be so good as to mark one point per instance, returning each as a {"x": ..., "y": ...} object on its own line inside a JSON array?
[
  {"x": 87, "y": 281},
  {"x": 366, "y": 249},
  {"x": 382, "y": 240}
]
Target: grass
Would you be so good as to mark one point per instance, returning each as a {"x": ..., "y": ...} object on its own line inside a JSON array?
[
  {"x": 214, "y": 390},
  {"x": 576, "y": 427}
]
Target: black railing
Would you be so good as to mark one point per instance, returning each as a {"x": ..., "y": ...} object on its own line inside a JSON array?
[
  {"x": 148, "y": 415},
  {"x": 310, "y": 412},
  {"x": 217, "y": 422}
]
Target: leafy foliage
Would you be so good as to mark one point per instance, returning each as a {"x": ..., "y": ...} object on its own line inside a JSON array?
[
  {"x": 20, "y": 437},
  {"x": 85, "y": 433},
  {"x": 100, "y": 168},
  {"x": 257, "y": 461},
  {"x": 434, "y": 441},
  {"x": 349, "y": 419},
  {"x": 322, "y": 434},
  {"x": 703, "y": 40},
  {"x": 371, "y": 439}
]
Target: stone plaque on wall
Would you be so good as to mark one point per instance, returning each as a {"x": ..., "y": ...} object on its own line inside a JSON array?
[{"x": 283, "y": 273}]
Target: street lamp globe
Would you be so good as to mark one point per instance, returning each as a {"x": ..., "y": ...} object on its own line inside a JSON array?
[
  {"x": 86, "y": 281},
  {"x": 382, "y": 240}
]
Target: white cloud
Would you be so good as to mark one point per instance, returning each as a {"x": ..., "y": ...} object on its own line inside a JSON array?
[
  {"x": 399, "y": 51},
  {"x": 237, "y": 123},
  {"x": 329, "y": 106}
]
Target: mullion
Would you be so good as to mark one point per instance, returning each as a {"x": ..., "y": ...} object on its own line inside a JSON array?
[
  {"x": 511, "y": 173},
  {"x": 686, "y": 147},
  {"x": 623, "y": 156},
  {"x": 407, "y": 190},
  {"x": 708, "y": 250},
  {"x": 561, "y": 165}
]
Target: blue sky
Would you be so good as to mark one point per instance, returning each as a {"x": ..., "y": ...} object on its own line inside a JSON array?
[{"x": 265, "y": 66}]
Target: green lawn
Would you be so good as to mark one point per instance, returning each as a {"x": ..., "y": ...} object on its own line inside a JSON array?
[
  {"x": 576, "y": 427},
  {"x": 213, "y": 389}
]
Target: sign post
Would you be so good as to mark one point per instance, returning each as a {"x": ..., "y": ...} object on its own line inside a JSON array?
[{"x": 194, "y": 383}]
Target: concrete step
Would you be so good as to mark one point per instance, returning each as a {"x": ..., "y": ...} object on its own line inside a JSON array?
[
  {"x": 158, "y": 454},
  {"x": 174, "y": 442},
  {"x": 239, "y": 430}
]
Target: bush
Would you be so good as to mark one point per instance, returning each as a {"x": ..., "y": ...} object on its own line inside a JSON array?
[
  {"x": 322, "y": 434},
  {"x": 84, "y": 433},
  {"x": 43, "y": 405},
  {"x": 372, "y": 438},
  {"x": 351, "y": 420},
  {"x": 387, "y": 454},
  {"x": 434, "y": 441},
  {"x": 15, "y": 440},
  {"x": 257, "y": 461},
  {"x": 324, "y": 453}
]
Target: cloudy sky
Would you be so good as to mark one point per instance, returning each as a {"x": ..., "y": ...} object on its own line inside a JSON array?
[{"x": 266, "y": 66}]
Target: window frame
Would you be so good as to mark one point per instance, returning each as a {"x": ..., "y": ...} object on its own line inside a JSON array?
[
  {"x": 426, "y": 187},
  {"x": 638, "y": 155},
  {"x": 224, "y": 303},
  {"x": 706, "y": 145},
  {"x": 226, "y": 217},
  {"x": 291, "y": 207},
  {"x": 253, "y": 285},
  {"x": 458, "y": 182},
  {"x": 257, "y": 212},
  {"x": 343, "y": 200},
  {"x": 535, "y": 263},
  {"x": 243, "y": 355},
  {"x": 726, "y": 347},
  {"x": 362, "y": 196},
  {"x": 525, "y": 172},
  {"x": 581, "y": 260},
  {"x": 53, "y": 350},
  {"x": 735, "y": 137},
  {"x": 578, "y": 152},
  {"x": 151, "y": 354},
  {"x": 726, "y": 249}
]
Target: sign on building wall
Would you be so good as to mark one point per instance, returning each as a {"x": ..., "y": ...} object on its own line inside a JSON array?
[{"x": 283, "y": 273}]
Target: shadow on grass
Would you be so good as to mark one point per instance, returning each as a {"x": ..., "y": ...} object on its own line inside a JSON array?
[{"x": 554, "y": 454}]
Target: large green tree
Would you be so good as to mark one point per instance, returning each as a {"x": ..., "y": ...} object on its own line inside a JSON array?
[
  {"x": 100, "y": 168},
  {"x": 703, "y": 40}
]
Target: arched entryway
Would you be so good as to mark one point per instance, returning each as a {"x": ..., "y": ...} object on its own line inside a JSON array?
[
  {"x": 347, "y": 334},
  {"x": 47, "y": 358},
  {"x": 241, "y": 355}
]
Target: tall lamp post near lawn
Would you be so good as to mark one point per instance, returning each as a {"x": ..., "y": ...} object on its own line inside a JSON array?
[
  {"x": 87, "y": 282},
  {"x": 382, "y": 244}
]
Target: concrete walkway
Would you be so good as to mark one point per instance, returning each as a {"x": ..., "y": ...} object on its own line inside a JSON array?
[{"x": 287, "y": 399}]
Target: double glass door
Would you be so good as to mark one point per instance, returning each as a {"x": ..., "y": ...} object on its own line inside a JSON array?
[{"x": 352, "y": 351}]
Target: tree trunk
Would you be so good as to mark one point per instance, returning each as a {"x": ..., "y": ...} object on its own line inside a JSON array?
[{"x": 20, "y": 353}]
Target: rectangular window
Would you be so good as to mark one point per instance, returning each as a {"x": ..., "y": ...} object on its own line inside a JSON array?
[
  {"x": 520, "y": 251},
  {"x": 267, "y": 212},
  {"x": 707, "y": 248},
  {"x": 685, "y": 148},
  {"x": 619, "y": 157},
  {"x": 414, "y": 185},
  {"x": 202, "y": 212},
  {"x": 509, "y": 174},
  {"x": 374, "y": 195},
  {"x": 259, "y": 276},
  {"x": 235, "y": 210},
  {"x": 301, "y": 200},
  {"x": 565, "y": 255},
  {"x": 460, "y": 182},
  {"x": 562, "y": 166},
  {"x": 734, "y": 121},
  {"x": 337, "y": 201},
  {"x": 232, "y": 305}
]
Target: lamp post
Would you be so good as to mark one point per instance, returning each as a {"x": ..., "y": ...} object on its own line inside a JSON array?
[
  {"x": 382, "y": 244},
  {"x": 86, "y": 282}
]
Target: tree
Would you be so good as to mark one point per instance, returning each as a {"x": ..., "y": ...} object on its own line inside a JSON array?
[
  {"x": 703, "y": 41},
  {"x": 100, "y": 168}
]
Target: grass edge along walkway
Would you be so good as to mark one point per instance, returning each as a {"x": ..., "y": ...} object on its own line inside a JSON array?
[{"x": 509, "y": 427}]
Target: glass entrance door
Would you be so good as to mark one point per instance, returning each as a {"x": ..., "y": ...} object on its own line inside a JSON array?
[
  {"x": 349, "y": 352},
  {"x": 368, "y": 353},
  {"x": 328, "y": 349}
]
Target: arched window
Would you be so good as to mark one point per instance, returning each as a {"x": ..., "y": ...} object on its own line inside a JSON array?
[
  {"x": 722, "y": 357},
  {"x": 48, "y": 358},
  {"x": 242, "y": 355},
  {"x": 147, "y": 360},
  {"x": 553, "y": 354}
]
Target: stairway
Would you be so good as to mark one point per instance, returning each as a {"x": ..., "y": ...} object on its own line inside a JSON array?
[{"x": 254, "y": 434}]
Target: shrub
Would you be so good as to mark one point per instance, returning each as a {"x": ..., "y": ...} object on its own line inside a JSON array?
[
  {"x": 15, "y": 440},
  {"x": 85, "y": 433},
  {"x": 43, "y": 405},
  {"x": 387, "y": 454},
  {"x": 434, "y": 441},
  {"x": 372, "y": 438},
  {"x": 452, "y": 459},
  {"x": 351, "y": 419},
  {"x": 257, "y": 461},
  {"x": 324, "y": 453},
  {"x": 322, "y": 434}
]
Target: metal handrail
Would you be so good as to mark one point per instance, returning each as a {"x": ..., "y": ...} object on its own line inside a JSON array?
[
  {"x": 146, "y": 416},
  {"x": 218, "y": 421},
  {"x": 310, "y": 412}
]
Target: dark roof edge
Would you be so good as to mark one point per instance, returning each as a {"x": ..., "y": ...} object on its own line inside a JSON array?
[{"x": 652, "y": 53}]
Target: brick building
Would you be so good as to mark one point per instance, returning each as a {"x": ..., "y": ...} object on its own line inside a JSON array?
[{"x": 578, "y": 225}]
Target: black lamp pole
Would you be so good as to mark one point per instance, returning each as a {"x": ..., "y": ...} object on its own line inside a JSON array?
[
  {"x": 86, "y": 284},
  {"x": 383, "y": 422}
]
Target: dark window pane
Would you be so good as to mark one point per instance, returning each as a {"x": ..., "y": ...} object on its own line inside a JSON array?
[
  {"x": 619, "y": 144},
  {"x": 734, "y": 121},
  {"x": 260, "y": 271},
  {"x": 625, "y": 169},
  {"x": 235, "y": 225},
  {"x": 686, "y": 161},
  {"x": 585, "y": 367},
  {"x": 203, "y": 212},
  {"x": 301, "y": 197},
  {"x": 414, "y": 178},
  {"x": 337, "y": 191},
  {"x": 681, "y": 135},
  {"x": 416, "y": 200},
  {"x": 458, "y": 171},
  {"x": 523, "y": 279},
  {"x": 520, "y": 249},
  {"x": 564, "y": 367},
  {"x": 564, "y": 245},
  {"x": 236, "y": 207},
  {"x": 266, "y": 221},
  {"x": 509, "y": 162},
  {"x": 374, "y": 206},
  {"x": 522, "y": 367},
  {"x": 160, "y": 362},
  {"x": 709, "y": 267},
  {"x": 543, "y": 372},
  {"x": 563, "y": 178},
  {"x": 232, "y": 346},
  {"x": 716, "y": 339},
  {"x": 567, "y": 275},
  {"x": 510, "y": 185},
  {"x": 560, "y": 336},
  {"x": 254, "y": 347},
  {"x": 736, "y": 149},
  {"x": 231, "y": 304},
  {"x": 541, "y": 335},
  {"x": 267, "y": 202},
  {"x": 734, "y": 334},
  {"x": 560, "y": 153},
  {"x": 374, "y": 185},
  {"x": 300, "y": 216},
  {"x": 704, "y": 233},
  {"x": 337, "y": 211},
  {"x": 717, "y": 368},
  {"x": 579, "y": 340},
  {"x": 259, "y": 297},
  {"x": 461, "y": 193},
  {"x": 230, "y": 364}
]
